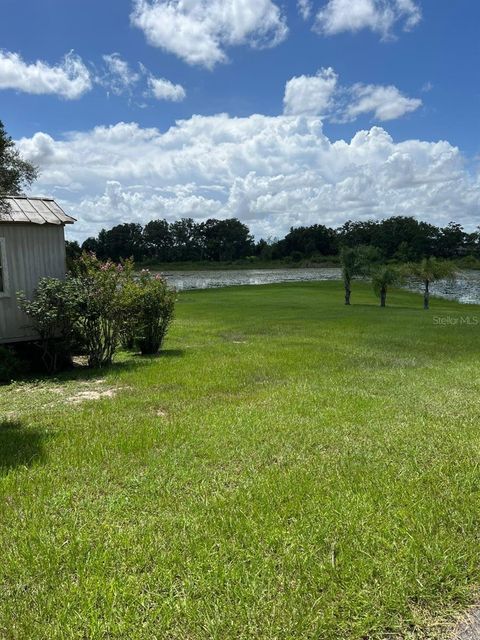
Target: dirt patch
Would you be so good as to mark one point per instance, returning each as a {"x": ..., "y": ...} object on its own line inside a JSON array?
[
  {"x": 89, "y": 383},
  {"x": 469, "y": 629},
  {"x": 83, "y": 396},
  {"x": 22, "y": 397},
  {"x": 11, "y": 415}
]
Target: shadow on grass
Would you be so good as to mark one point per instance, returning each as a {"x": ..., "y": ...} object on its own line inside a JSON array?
[
  {"x": 80, "y": 371},
  {"x": 390, "y": 305},
  {"x": 171, "y": 353},
  {"x": 129, "y": 362},
  {"x": 165, "y": 353},
  {"x": 19, "y": 446}
]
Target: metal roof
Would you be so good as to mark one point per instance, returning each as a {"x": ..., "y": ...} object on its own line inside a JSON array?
[{"x": 28, "y": 210}]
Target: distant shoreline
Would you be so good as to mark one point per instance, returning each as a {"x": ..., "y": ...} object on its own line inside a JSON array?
[
  {"x": 332, "y": 262},
  {"x": 329, "y": 262}
]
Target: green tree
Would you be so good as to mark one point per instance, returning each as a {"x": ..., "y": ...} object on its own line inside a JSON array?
[
  {"x": 186, "y": 240},
  {"x": 158, "y": 240},
  {"x": 263, "y": 249},
  {"x": 121, "y": 242},
  {"x": 403, "y": 237},
  {"x": 226, "y": 240},
  {"x": 90, "y": 245},
  {"x": 349, "y": 262},
  {"x": 353, "y": 234},
  {"x": 400, "y": 237},
  {"x": 430, "y": 270},
  {"x": 310, "y": 240},
  {"x": 15, "y": 172},
  {"x": 383, "y": 277},
  {"x": 356, "y": 262},
  {"x": 451, "y": 242},
  {"x": 72, "y": 251}
]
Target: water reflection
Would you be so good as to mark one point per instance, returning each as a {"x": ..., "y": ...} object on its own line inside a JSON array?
[
  {"x": 186, "y": 280},
  {"x": 466, "y": 288}
]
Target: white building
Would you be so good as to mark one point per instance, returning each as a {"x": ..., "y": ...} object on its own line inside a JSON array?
[{"x": 32, "y": 246}]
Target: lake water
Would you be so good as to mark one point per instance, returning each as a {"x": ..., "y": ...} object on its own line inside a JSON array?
[{"x": 465, "y": 289}]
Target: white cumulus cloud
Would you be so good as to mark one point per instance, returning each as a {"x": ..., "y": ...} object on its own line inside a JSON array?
[
  {"x": 310, "y": 95},
  {"x": 385, "y": 102},
  {"x": 163, "y": 89},
  {"x": 69, "y": 79},
  {"x": 271, "y": 172},
  {"x": 322, "y": 95},
  {"x": 381, "y": 16},
  {"x": 199, "y": 31}
]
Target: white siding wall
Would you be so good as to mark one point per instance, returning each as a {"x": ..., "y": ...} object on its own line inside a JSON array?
[{"x": 32, "y": 251}]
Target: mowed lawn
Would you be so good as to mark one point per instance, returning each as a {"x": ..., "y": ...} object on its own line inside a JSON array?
[{"x": 289, "y": 468}]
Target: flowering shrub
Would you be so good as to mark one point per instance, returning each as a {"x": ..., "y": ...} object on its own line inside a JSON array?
[
  {"x": 99, "y": 304},
  {"x": 148, "y": 311},
  {"x": 101, "y": 309}
]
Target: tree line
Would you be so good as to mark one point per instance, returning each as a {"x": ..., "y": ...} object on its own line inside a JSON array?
[{"x": 400, "y": 238}]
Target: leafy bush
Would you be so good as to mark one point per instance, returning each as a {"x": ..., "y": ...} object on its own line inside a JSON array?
[
  {"x": 101, "y": 312},
  {"x": 96, "y": 307},
  {"x": 148, "y": 311},
  {"x": 9, "y": 365},
  {"x": 54, "y": 311}
]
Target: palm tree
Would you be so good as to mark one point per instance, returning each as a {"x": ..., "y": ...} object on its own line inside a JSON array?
[
  {"x": 430, "y": 270},
  {"x": 383, "y": 277},
  {"x": 349, "y": 262},
  {"x": 356, "y": 262}
]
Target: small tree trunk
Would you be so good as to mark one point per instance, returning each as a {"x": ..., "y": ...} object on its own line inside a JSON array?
[
  {"x": 426, "y": 295},
  {"x": 348, "y": 291},
  {"x": 383, "y": 297}
]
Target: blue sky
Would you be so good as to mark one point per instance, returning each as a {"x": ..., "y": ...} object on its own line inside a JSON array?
[{"x": 403, "y": 70}]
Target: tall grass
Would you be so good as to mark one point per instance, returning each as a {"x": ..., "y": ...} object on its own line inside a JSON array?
[{"x": 289, "y": 468}]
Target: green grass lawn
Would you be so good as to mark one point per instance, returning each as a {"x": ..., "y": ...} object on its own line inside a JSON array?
[{"x": 289, "y": 468}]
